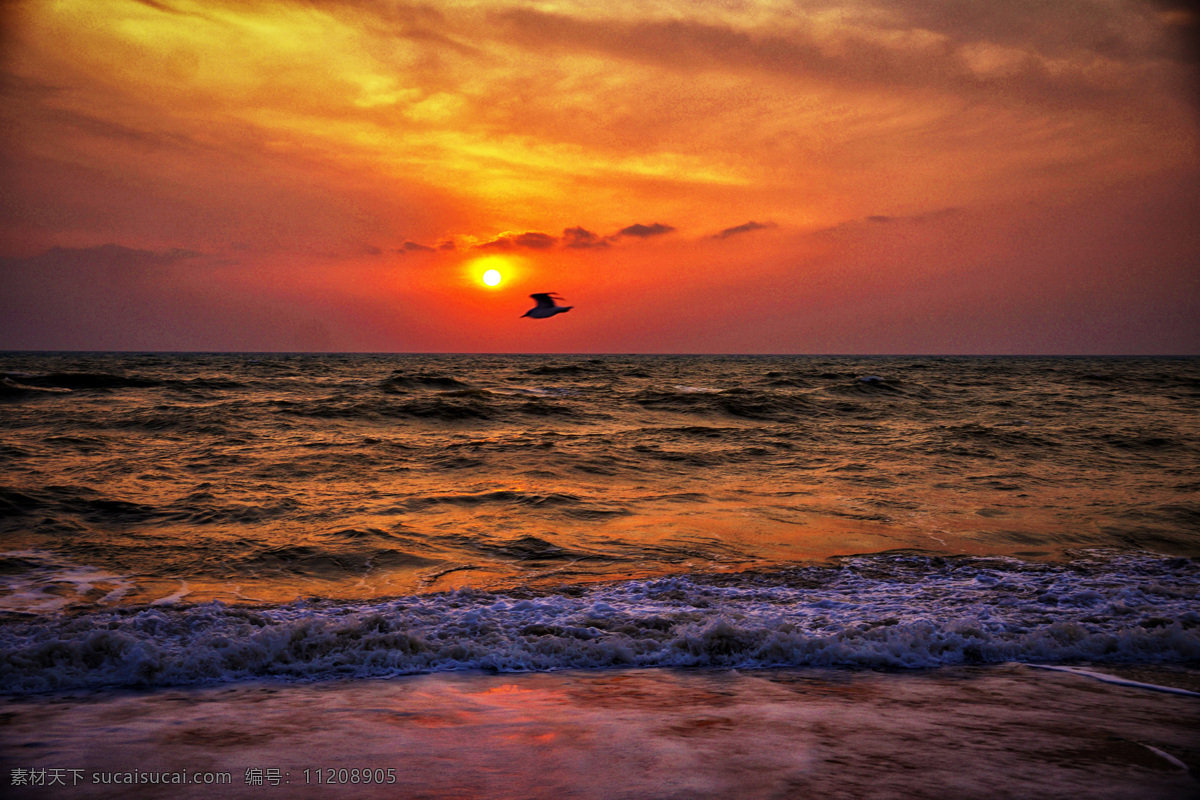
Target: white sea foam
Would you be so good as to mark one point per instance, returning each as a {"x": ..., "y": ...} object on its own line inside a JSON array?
[
  {"x": 1117, "y": 680},
  {"x": 175, "y": 598},
  {"x": 48, "y": 582},
  {"x": 879, "y": 611},
  {"x": 1165, "y": 756}
]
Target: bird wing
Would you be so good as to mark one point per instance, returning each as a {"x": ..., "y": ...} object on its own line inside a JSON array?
[{"x": 544, "y": 299}]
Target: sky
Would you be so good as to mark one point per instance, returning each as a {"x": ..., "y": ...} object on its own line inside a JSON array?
[{"x": 699, "y": 176}]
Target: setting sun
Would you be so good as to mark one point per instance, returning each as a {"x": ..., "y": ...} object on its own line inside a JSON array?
[{"x": 494, "y": 269}]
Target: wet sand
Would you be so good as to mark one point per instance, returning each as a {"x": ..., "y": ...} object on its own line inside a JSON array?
[{"x": 972, "y": 732}]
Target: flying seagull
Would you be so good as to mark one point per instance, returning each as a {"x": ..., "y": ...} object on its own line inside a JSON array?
[{"x": 545, "y": 306}]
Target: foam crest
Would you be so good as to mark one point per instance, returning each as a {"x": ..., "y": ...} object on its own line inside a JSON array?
[
  {"x": 40, "y": 582},
  {"x": 889, "y": 611}
]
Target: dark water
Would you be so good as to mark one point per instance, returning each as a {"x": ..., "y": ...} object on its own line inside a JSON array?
[{"x": 181, "y": 518}]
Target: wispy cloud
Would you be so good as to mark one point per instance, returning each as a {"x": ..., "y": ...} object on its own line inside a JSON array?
[
  {"x": 530, "y": 240},
  {"x": 112, "y": 259},
  {"x": 577, "y": 238},
  {"x": 645, "y": 231},
  {"x": 1038, "y": 51},
  {"x": 582, "y": 238},
  {"x": 745, "y": 227}
]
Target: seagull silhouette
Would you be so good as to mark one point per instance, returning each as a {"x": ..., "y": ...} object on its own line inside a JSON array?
[{"x": 545, "y": 306}]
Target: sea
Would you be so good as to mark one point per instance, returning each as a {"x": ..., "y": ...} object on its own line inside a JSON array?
[{"x": 327, "y": 522}]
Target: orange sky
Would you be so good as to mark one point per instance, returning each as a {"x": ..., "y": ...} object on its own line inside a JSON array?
[{"x": 829, "y": 176}]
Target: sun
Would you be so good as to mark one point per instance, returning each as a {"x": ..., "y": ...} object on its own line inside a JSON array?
[{"x": 493, "y": 270}]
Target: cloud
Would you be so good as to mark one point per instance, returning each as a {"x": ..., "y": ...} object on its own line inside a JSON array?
[
  {"x": 1059, "y": 30},
  {"x": 1073, "y": 52},
  {"x": 535, "y": 240},
  {"x": 500, "y": 243},
  {"x": 532, "y": 240},
  {"x": 644, "y": 231},
  {"x": 169, "y": 9},
  {"x": 114, "y": 260},
  {"x": 114, "y": 297},
  {"x": 83, "y": 297},
  {"x": 745, "y": 227},
  {"x": 873, "y": 222},
  {"x": 580, "y": 237},
  {"x": 413, "y": 247}
]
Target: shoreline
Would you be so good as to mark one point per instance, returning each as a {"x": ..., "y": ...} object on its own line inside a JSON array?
[{"x": 991, "y": 732}]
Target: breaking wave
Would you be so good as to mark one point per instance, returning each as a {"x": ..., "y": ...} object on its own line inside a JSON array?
[{"x": 885, "y": 611}]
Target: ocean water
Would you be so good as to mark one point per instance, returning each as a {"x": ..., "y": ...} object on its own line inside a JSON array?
[{"x": 172, "y": 520}]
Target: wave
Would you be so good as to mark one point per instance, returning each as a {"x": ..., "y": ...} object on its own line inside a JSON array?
[
  {"x": 990, "y": 436},
  {"x": 529, "y": 549},
  {"x": 318, "y": 561},
  {"x": 898, "y": 610},
  {"x": 400, "y": 382},
  {"x": 504, "y": 496},
  {"x": 451, "y": 405},
  {"x": 736, "y": 402},
  {"x": 89, "y": 505},
  {"x": 589, "y": 367},
  {"x": 206, "y": 388},
  {"x": 541, "y": 408},
  {"x": 12, "y": 390},
  {"x": 75, "y": 381},
  {"x": 571, "y": 505},
  {"x": 78, "y": 501},
  {"x": 867, "y": 385}
]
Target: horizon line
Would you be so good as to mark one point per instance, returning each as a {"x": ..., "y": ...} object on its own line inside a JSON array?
[{"x": 588, "y": 354}]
